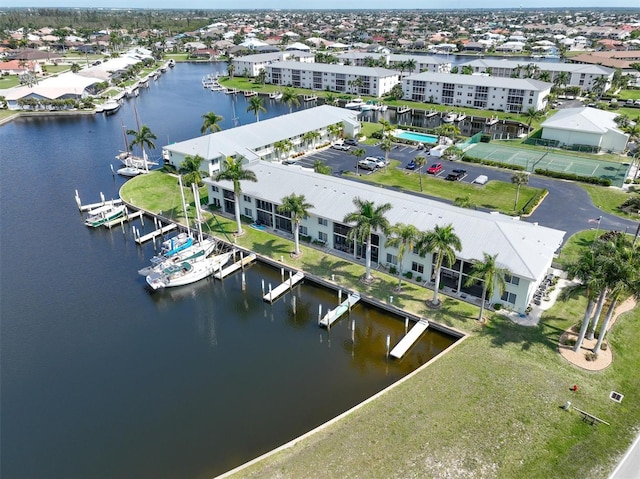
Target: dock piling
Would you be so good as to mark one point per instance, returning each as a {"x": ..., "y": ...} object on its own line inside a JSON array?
[
  {"x": 319, "y": 313},
  {"x": 102, "y": 197},
  {"x": 406, "y": 325},
  {"x": 78, "y": 201},
  {"x": 282, "y": 275},
  {"x": 244, "y": 282},
  {"x": 388, "y": 343},
  {"x": 263, "y": 287}
]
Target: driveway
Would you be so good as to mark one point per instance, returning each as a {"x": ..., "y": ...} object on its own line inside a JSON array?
[{"x": 567, "y": 207}]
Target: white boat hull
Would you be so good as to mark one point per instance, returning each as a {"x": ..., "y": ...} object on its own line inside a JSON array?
[{"x": 188, "y": 273}]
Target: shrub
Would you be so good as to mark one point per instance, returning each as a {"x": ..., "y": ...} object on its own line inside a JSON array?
[
  {"x": 572, "y": 176},
  {"x": 604, "y": 346},
  {"x": 392, "y": 270},
  {"x": 590, "y": 356},
  {"x": 497, "y": 306},
  {"x": 419, "y": 279},
  {"x": 569, "y": 341},
  {"x": 409, "y": 275},
  {"x": 533, "y": 202}
]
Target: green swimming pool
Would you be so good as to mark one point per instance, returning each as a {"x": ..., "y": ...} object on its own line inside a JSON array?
[{"x": 421, "y": 137}]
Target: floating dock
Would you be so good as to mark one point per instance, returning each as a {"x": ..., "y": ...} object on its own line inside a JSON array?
[
  {"x": 431, "y": 113},
  {"x": 271, "y": 296},
  {"x": 333, "y": 315},
  {"x": 153, "y": 234},
  {"x": 410, "y": 338},
  {"x": 93, "y": 206},
  {"x": 122, "y": 219},
  {"x": 403, "y": 109},
  {"x": 235, "y": 266}
]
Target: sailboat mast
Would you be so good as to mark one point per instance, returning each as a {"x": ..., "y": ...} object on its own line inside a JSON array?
[
  {"x": 184, "y": 204},
  {"x": 196, "y": 198}
]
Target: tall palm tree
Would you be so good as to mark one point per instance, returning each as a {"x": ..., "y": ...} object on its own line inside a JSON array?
[
  {"x": 310, "y": 137},
  {"x": 491, "y": 276},
  {"x": 519, "y": 178},
  {"x": 443, "y": 242},
  {"x": 334, "y": 129},
  {"x": 143, "y": 137},
  {"x": 410, "y": 65},
  {"x": 298, "y": 207},
  {"x": 190, "y": 170},
  {"x": 588, "y": 269},
  {"x": 211, "y": 122},
  {"x": 368, "y": 218},
  {"x": 234, "y": 172},
  {"x": 531, "y": 114},
  {"x": 358, "y": 153},
  {"x": 403, "y": 237},
  {"x": 330, "y": 99},
  {"x": 420, "y": 161},
  {"x": 386, "y": 146},
  {"x": 290, "y": 97},
  {"x": 256, "y": 105},
  {"x": 282, "y": 146},
  {"x": 387, "y": 127}
]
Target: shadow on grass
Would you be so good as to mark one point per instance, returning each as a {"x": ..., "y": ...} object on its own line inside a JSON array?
[
  {"x": 271, "y": 247},
  {"x": 503, "y": 331}
]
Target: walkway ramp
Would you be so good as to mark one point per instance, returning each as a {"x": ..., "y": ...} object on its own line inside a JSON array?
[
  {"x": 153, "y": 234},
  {"x": 410, "y": 338},
  {"x": 272, "y": 295},
  {"x": 235, "y": 266},
  {"x": 333, "y": 315}
]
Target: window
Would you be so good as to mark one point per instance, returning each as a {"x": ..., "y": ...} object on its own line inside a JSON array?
[
  {"x": 303, "y": 230},
  {"x": 511, "y": 279},
  {"x": 214, "y": 189},
  {"x": 322, "y": 221},
  {"x": 246, "y": 198},
  {"x": 508, "y": 297},
  {"x": 323, "y": 236},
  {"x": 417, "y": 267},
  {"x": 392, "y": 259},
  {"x": 248, "y": 212}
]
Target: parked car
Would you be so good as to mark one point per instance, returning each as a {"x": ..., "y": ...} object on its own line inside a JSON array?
[
  {"x": 351, "y": 141},
  {"x": 481, "y": 180},
  {"x": 456, "y": 175},
  {"x": 382, "y": 161},
  {"x": 340, "y": 146},
  {"x": 411, "y": 165},
  {"x": 435, "y": 168},
  {"x": 368, "y": 163}
]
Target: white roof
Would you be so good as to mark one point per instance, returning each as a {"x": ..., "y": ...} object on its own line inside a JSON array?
[
  {"x": 474, "y": 80},
  {"x": 525, "y": 248},
  {"x": 55, "y": 87},
  {"x": 244, "y": 139},
  {"x": 298, "y": 46},
  {"x": 591, "y": 120},
  {"x": 549, "y": 66}
]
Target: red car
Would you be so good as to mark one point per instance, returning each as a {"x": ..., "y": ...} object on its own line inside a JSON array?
[{"x": 435, "y": 168}]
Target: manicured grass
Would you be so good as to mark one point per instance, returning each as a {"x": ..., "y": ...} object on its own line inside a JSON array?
[
  {"x": 609, "y": 199},
  {"x": 8, "y": 81},
  {"x": 52, "y": 69},
  {"x": 495, "y": 195},
  {"x": 488, "y": 408}
]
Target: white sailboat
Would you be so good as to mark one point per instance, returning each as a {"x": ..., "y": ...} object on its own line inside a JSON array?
[{"x": 191, "y": 264}]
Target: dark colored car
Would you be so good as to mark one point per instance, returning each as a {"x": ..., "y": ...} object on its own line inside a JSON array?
[
  {"x": 351, "y": 141},
  {"x": 411, "y": 165},
  {"x": 435, "y": 168},
  {"x": 456, "y": 175}
]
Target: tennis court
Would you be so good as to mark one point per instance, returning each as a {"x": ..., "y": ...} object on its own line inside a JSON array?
[{"x": 551, "y": 160}]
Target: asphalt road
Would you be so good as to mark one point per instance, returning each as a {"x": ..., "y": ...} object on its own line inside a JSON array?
[
  {"x": 629, "y": 466},
  {"x": 567, "y": 207}
]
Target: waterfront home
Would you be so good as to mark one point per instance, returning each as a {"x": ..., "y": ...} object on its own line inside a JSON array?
[
  {"x": 369, "y": 81},
  {"x": 514, "y": 95},
  {"x": 526, "y": 249},
  {"x": 259, "y": 141},
  {"x": 250, "y": 65},
  {"x": 423, "y": 63}
]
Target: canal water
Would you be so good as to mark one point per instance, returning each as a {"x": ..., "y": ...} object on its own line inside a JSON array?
[{"x": 102, "y": 378}]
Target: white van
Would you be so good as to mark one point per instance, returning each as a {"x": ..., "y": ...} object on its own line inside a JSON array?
[{"x": 481, "y": 180}]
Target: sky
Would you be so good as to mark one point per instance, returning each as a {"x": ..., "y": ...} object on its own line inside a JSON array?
[{"x": 320, "y": 4}]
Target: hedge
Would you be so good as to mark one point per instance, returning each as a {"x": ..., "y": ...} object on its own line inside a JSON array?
[
  {"x": 482, "y": 161},
  {"x": 533, "y": 202},
  {"x": 571, "y": 176}
]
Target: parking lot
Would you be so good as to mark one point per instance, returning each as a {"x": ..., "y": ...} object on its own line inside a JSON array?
[{"x": 343, "y": 161}]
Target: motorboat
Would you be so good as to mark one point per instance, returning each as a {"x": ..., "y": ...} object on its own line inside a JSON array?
[
  {"x": 109, "y": 107},
  {"x": 130, "y": 171},
  {"x": 355, "y": 104},
  {"x": 460, "y": 116},
  {"x": 449, "y": 118},
  {"x": 104, "y": 214}
]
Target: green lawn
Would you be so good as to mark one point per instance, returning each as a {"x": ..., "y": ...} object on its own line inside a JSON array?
[
  {"x": 495, "y": 195},
  {"x": 488, "y": 408},
  {"x": 8, "y": 81},
  {"x": 609, "y": 199}
]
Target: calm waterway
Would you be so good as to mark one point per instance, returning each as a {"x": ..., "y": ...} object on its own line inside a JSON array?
[{"x": 102, "y": 378}]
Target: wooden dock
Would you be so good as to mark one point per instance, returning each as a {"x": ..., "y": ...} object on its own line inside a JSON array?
[
  {"x": 153, "y": 234},
  {"x": 403, "y": 109},
  {"x": 272, "y": 295},
  {"x": 410, "y": 338},
  {"x": 431, "y": 113},
  {"x": 333, "y": 315},
  {"x": 93, "y": 206},
  {"x": 122, "y": 219},
  {"x": 235, "y": 266}
]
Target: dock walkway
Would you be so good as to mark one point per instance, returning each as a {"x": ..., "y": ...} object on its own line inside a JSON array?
[
  {"x": 153, "y": 234},
  {"x": 235, "y": 266},
  {"x": 333, "y": 315},
  {"x": 272, "y": 295},
  {"x": 409, "y": 338}
]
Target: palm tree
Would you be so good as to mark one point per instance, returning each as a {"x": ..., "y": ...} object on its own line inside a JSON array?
[
  {"x": 334, "y": 129},
  {"x": 531, "y": 114},
  {"x": 519, "y": 178},
  {"x": 358, "y": 153},
  {"x": 321, "y": 168},
  {"x": 256, "y": 105},
  {"x": 420, "y": 161},
  {"x": 310, "y": 137},
  {"x": 588, "y": 269},
  {"x": 599, "y": 86},
  {"x": 387, "y": 128},
  {"x": 330, "y": 99},
  {"x": 282, "y": 146},
  {"x": 561, "y": 79},
  {"x": 386, "y": 146},
  {"x": 491, "y": 276},
  {"x": 190, "y": 170},
  {"x": 231, "y": 68},
  {"x": 448, "y": 130},
  {"x": 444, "y": 242},
  {"x": 290, "y": 97},
  {"x": 410, "y": 65},
  {"x": 403, "y": 237},
  {"x": 211, "y": 122},
  {"x": 368, "y": 218},
  {"x": 298, "y": 208},
  {"x": 143, "y": 137},
  {"x": 234, "y": 172}
]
